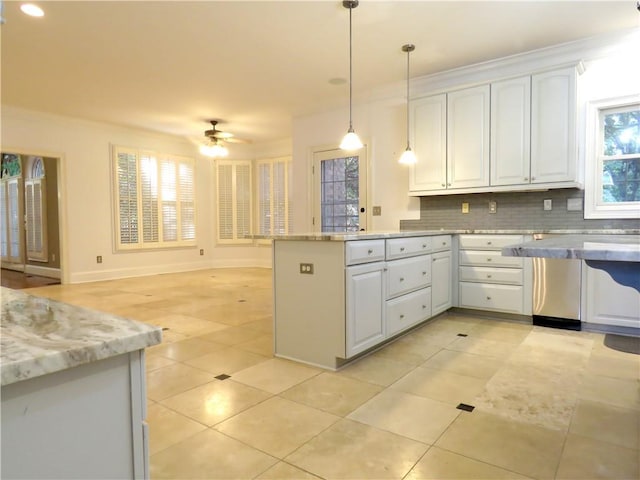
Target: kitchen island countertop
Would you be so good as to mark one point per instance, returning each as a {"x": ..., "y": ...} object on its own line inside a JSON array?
[
  {"x": 623, "y": 248},
  {"x": 42, "y": 336}
]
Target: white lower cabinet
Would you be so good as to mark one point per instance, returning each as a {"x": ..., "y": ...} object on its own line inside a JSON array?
[
  {"x": 500, "y": 298},
  {"x": 365, "y": 320},
  {"x": 440, "y": 282},
  {"x": 608, "y": 302},
  {"x": 334, "y": 300},
  {"x": 407, "y": 310},
  {"x": 490, "y": 281}
]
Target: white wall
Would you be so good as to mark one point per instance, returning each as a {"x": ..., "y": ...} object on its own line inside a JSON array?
[
  {"x": 86, "y": 197},
  {"x": 381, "y": 125}
]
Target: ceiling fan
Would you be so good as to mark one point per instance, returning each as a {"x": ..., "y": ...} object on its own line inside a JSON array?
[
  {"x": 216, "y": 138},
  {"x": 215, "y": 135}
]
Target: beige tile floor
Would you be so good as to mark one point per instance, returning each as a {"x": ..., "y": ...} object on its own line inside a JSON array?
[{"x": 549, "y": 403}]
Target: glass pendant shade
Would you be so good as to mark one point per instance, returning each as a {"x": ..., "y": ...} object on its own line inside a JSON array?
[
  {"x": 408, "y": 157},
  {"x": 351, "y": 141}
]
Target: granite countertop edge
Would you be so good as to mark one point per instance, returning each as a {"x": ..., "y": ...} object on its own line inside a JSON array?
[
  {"x": 348, "y": 236},
  {"x": 42, "y": 336}
]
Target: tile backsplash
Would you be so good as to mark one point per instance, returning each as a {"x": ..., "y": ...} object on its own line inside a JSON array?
[{"x": 515, "y": 210}]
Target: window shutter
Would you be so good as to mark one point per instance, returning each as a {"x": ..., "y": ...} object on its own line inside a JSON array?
[
  {"x": 149, "y": 198},
  {"x": 168, "y": 194},
  {"x": 225, "y": 202},
  {"x": 264, "y": 198},
  {"x": 127, "y": 184},
  {"x": 187, "y": 201},
  {"x": 15, "y": 220},
  {"x": 243, "y": 200},
  {"x": 273, "y": 196},
  {"x": 4, "y": 222},
  {"x": 35, "y": 213}
]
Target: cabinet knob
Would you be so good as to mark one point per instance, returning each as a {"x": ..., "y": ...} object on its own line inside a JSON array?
[
  {"x": 488, "y": 298},
  {"x": 489, "y": 276},
  {"x": 448, "y": 184},
  {"x": 424, "y": 273},
  {"x": 401, "y": 316},
  {"x": 402, "y": 249},
  {"x": 443, "y": 185},
  {"x": 444, "y": 244},
  {"x": 488, "y": 259},
  {"x": 433, "y": 259},
  {"x": 424, "y": 245},
  {"x": 533, "y": 178},
  {"x": 424, "y": 306},
  {"x": 401, "y": 279},
  {"x": 369, "y": 251},
  {"x": 489, "y": 243},
  {"x": 526, "y": 179}
]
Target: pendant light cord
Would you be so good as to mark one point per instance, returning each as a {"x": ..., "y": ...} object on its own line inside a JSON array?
[
  {"x": 408, "y": 53},
  {"x": 350, "y": 71}
]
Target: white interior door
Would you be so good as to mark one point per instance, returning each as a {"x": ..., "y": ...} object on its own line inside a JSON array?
[{"x": 340, "y": 191}]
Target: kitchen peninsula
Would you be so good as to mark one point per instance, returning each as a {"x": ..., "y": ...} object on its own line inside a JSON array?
[{"x": 73, "y": 390}]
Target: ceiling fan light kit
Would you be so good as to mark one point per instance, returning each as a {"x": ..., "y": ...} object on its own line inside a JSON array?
[
  {"x": 351, "y": 141},
  {"x": 408, "y": 157}
]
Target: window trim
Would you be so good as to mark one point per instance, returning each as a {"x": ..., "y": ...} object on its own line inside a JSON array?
[
  {"x": 594, "y": 208},
  {"x": 176, "y": 160}
]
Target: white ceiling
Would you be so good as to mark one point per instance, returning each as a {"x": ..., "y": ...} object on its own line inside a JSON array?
[{"x": 169, "y": 66}]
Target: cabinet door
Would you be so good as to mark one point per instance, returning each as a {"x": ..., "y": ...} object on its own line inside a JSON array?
[
  {"x": 468, "y": 137},
  {"x": 365, "y": 306},
  {"x": 440, "y": 282},
  {"x": 553, "y": 126},
  {"x": 511, "y": 131},
  {"x": 610, "y": 303},
  {"x": 429, "y": 141}
]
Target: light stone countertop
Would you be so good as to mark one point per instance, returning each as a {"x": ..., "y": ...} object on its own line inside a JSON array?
[
  {"x": 371, "y": 235},
  {"x": 41, "y": 336},
  {"x": 619, "y": 248}
]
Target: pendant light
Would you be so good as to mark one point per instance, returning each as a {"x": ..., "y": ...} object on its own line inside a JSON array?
[
  {"x": 350, "y": 140},
  {"x": 408, "y": 157}
]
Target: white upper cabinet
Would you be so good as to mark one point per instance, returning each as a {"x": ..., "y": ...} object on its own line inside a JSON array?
[
  {"x": 553, "y": 126},
  {"x": 468, "y": 137},
  {"x": 429, "y": 140},
  {"x": 511, "y": 131},
  {"x": 503, "y": 136}
]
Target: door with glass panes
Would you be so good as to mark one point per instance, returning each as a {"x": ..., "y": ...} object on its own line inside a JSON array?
[{"x": 340, "y": 191}]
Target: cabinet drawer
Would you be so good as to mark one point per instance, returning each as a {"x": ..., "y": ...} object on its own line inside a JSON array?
[
  {"x": 489, "y": 258},
  {"x": 511, "y": 276},
  {"x": 488, "y": 242},
  {"x": 407, "y": 247},
  {"x": 408, "y": 274},
  {"x": 363, "y": 251},
  {"x": 407, "y": 310},
  {"x": 440, "y": 243},
  {"x": 485, "y": 296}
]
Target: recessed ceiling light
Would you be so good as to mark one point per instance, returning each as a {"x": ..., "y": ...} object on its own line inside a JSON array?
[{"x": 32, "y": 10}]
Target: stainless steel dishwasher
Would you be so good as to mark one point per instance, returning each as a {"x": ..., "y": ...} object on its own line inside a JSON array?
[{"x": 556, "y": 291}]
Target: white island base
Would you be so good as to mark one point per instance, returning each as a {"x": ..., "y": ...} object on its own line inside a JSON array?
[{"x": 85, "y": 422}]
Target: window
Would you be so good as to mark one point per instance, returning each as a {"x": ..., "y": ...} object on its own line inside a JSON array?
[
  {"x": 233, "y": 180},
  {"x": 273, "y": 203},
  {"x": 155, "y": 200},
  {"x": 613, "y": 161}
]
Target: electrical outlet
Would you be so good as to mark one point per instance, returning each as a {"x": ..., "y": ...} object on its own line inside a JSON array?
[
  {"x": 53, "y": 257},
  {"x": 377, "y": 211},
  {"x": 306, "y": 268},
  {"x": 99, "y": 259},
  {"x": 547, "y": 204},
  {"x": 493, "y": 207},
  {"x": 574, "y": 204},
  {"x": 202, "y": 251},
  {"x": 465, "y": 207}
]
